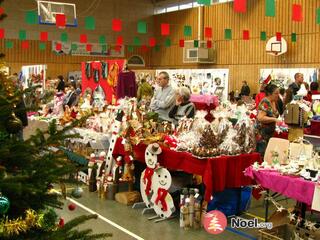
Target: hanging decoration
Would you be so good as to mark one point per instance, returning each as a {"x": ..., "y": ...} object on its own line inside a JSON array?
[
  {"x": 144, "y": 48},
  {"x": 270, "y": 8},
  {"x": 9, "y": 44},
  {"x": 157, "y": 48},
  {"x": 58, "y": 46},
  {"x": 152, "y": 42},
  {"x": 187, "y": 31},
  {"x": 130, "y": 48},
  {"x": 142, "y": 27},
  {"x": 43, "y": 36},
  {"x": 25, "y": 44},
  {"x": 318, "y": 16},
  {"x": 167, "y": 42},
  {"x": 278, "y": 36},
  {"x": 246, "y": 34},
  {"x": 74, "y": 47},
  {"x": 61, "y": 20},
  {"x": 64, "y": 37},
  {"x": 228, "y": 34},
  {"x": 196, "y": 43},
  {"x": 263, "y": 36},
  {"x": 102, "y": 39},
  {"x": 209, "y": 44},
  {"x": 204, "y": 2},
  {"x": 1, "y": 11},
  {"x": 297, "y": 13},
  {"x": 181, "y": 43},
  {"x": 165, "y": 29},
  {"x": 22, "y": 35},
  {"x": 208, "y": 32},
  {"x": 240, "y": 6},
  {"x": 293, "y": 37},
  {"x": 136, "y": 41},
  {"x": 31, "y": 17},
  {"x": 89, "y": 47},
  {"x": 83, "y": 38},
  {"x": 119, "y": 40},
  {"x": 1, "y": 33},
  {"x": 90, "y": 23},
  {"x": 42, "y": 46},
  {"x": 116, "y": 25}
]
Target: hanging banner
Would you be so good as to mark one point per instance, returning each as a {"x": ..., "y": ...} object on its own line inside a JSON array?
[{"x": 81, "y": 49}]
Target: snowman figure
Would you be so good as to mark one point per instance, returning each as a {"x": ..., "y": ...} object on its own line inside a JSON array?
[
  {"x": 114, "y": 136},
  {"x": 161, "y": 199},
  {"x": 151, "y": 158}
]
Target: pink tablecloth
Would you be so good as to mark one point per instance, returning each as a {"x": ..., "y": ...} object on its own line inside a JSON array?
[
  {"x": 292, "y": 187},
  {"x": 207, "y": 99}
]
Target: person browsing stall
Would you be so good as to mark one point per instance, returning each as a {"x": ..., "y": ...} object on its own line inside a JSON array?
[
  {"x": 267, "y": 117},
  {"x": 295, "y": 86},
  {"x": 163, "y": 98},
  {"x": 183, "y": 107}
]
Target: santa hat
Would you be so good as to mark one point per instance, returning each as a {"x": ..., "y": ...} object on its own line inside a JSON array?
[{"x": 267, "y": 80}]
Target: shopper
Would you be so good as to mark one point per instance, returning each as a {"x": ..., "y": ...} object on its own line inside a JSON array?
[
  {"x": 314, "y": 88},
  {"x": 298, "y": 80},
  {"x": 261, "y": 95},
  {"x": 163, "y": 98},
  {"x": 61, "y": 84},
  {"x": 308, "y": 97},
  {"x": 245, "y": 90},
  {"x": 145, "y": 91},
  {"x": 280, "y": 103},
  {"x": 183, "y": 107},
  {"x": 267, "y": 117}
]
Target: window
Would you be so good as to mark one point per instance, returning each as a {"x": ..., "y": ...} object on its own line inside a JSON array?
[
  {"x": 173, "y": 8},
  {"x": 185, "y": 6}
]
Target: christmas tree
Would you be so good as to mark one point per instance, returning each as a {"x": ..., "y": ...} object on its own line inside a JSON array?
[{"x": 27, "y": 168}]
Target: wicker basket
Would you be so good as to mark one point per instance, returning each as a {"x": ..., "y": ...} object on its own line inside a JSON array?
[{"x": 286, "y": 232}]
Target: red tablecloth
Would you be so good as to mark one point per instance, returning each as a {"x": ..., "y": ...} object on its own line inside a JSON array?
[{"x": 218, "y": 173}]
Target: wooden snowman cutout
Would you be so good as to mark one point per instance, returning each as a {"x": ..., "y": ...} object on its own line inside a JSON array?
[
  {"x": 115, "y": 132},
  {"x": 161, "y": 199},
  {"x": 151, "y": 158}
]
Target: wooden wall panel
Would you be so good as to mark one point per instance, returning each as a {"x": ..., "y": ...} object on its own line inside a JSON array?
[{"x": 246, "y": 58}]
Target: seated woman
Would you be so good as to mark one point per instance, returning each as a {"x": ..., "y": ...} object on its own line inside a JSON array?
[
  {"x": 183, "y": 107},
  {"x": 267, "y": 117}
]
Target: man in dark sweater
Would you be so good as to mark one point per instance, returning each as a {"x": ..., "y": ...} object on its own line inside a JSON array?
[
  {"x": 298, "y": 80},
  {"x": 245, "y": 90}
]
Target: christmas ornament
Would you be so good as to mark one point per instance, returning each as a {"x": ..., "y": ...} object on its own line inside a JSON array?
[
  {"x": 14, "y": 124},
  {"x": 71, "y": 206},
  {"x": 77, "y": 192},
  {"x": 61, "y": 222},
  {"x": 4, "y": 205}
]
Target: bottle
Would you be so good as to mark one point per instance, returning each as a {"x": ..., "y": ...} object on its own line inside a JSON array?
[
  {"x": 197, "y": 214},
  {"x": 236, "y": 95},
  {"x": 185, "y": 212},
  {"x": 203, "y": 211},
  {"x": 93, "y": 179},
  {"x": 183, "y": 196},
  {"x": 191, "y": 207}
]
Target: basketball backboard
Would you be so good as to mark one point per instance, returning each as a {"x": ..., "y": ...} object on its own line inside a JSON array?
[{"x": 47, "y": 11}]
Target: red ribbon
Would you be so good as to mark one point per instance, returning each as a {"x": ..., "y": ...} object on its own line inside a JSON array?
[
  {"x": 162, "y": 193},
  {"x": 147, "y": 179}
]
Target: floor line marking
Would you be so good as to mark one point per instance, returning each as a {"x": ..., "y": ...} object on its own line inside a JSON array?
[
  {"x": 241, "y": 233},
  {"x": 106, "y": 219},
  {"x": 255, "y": 216}
]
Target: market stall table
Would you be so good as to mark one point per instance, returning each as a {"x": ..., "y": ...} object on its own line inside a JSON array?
[
  {"x": 293, "y": 187},
  {"x": 216, "y": 171}
]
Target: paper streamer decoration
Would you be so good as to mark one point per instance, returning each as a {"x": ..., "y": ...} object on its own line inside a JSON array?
[
  {"x": 31, "y": 17},
  {"x": 228, "y": 34},
  {"x": 136, "y": 41},
  {"x": 9, "y": 44},
  {"x": 74, "y": 46},
  {"x": 1, "y": 33},
  {"x": 83, "y": 38},
  {"x": 43, "y": 36},
  {"x": 25, "y": 44},
  {"x": 90, "y": 23},
  {"x": 167, "y": 42},
  {"x": 64, "y": 37},
  {"x": 209, "y": 44},
  {"x": 196, "y": 43},
  {"x": 116, "y": 25},
  {"x": 297, "y": 13},
  {"x": 204, "y": 2},
  {"x": 318, "y": 16},
  {"x": 152, "y": 42},
  {"x": 102, "y": 39},
  {"x": 58, "y": 46},
  {"x": 293, "y": 37},
  {"x": 181, "y": 43},
  {"x": 104, "y": 47},
  {"x": 119, "y": 40},
  {"x": 263, "y": 36},
  {"x": 42, "y": 46},
  {"x": 240, "y": 6},
  {"x": 130, "y": 48},
  {"x": 246, "y": 34},
  {"x": 278, "y": 36},
  {"x": 22, "y": 35},
  {"x": 165, "y": 29},
  {"x": 89, "y": 47},
  {"x": 61, "y": 20},
  {"x": 187, "y": 32},
  {"x": 1, "y": 11},
  {"x": 208, "y": 32},
  {"x": 142, "y": 27},
  {"x": 270, "y": 8}
]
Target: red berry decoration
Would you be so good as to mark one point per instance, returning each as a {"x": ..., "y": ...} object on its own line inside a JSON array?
[
  {"x": 72, "y": 206},
  {"x": 61, "y": 222}
]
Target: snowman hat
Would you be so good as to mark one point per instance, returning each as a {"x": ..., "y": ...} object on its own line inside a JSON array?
[{"x": 154, "y": 148}]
